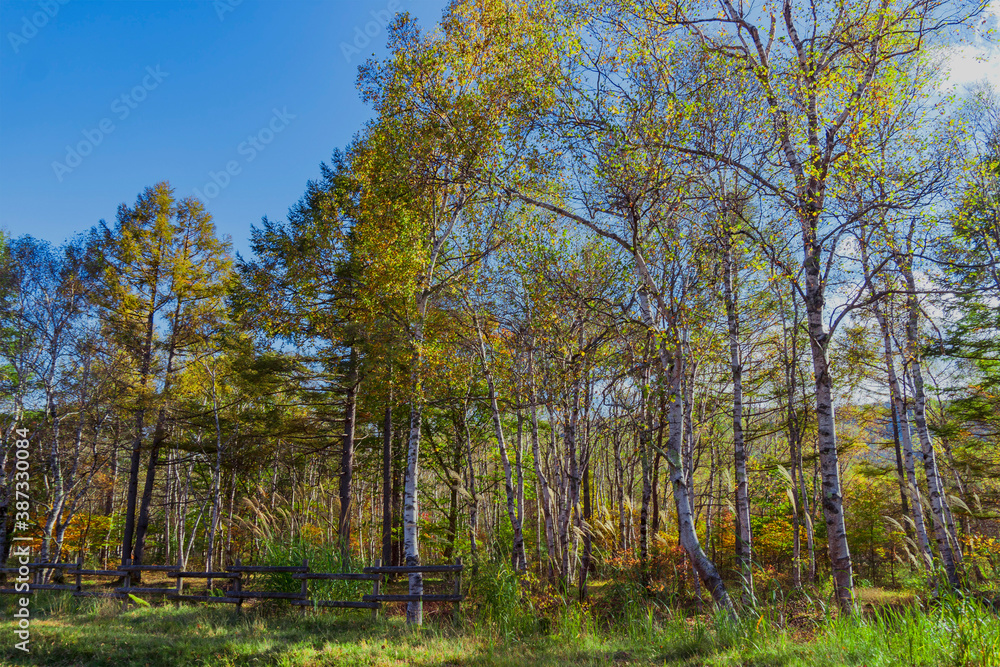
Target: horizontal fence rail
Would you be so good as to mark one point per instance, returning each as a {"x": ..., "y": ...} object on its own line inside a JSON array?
[{"x": 234, "y": 575}]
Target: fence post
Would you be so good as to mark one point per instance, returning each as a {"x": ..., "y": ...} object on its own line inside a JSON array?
[
  {"x": 376, "y": 587},
  {"x": 458, "y": 589},
  {"x": 305, "y": 584},
  {"x": 79, "y": 576},
  {"x": 238, "y": 584}
]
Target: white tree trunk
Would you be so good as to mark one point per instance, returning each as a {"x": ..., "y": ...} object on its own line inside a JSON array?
[
  {"x": 744, "y": 551},
  {"x": 905, "y": 442},
  {"x": 704, "y": 567},
  {"x": 833, "y": 501},
  {"x": 411, "y": 547},
  {"x": 518, "y": 558},
  {"x": 934, "y": 487},
  {"x": 543, "y": 482},
  {"x": 672, "y": 366}
]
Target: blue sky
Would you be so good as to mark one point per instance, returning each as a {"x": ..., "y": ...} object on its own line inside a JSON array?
[
  {"x": 256, "y": 92},
  {"x": 101, "y": 99}
]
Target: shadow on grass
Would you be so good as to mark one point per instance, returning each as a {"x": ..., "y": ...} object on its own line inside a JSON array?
[
  {"x": 220, "y": 637},
  {"x": 67, "y": 632}
]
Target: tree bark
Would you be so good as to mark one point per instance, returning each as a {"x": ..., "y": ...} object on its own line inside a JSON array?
[
  {"x": 159, "y": 436},
  {"x": 347, "y": 459},
  {"x": 411, "y": 547},
  {"x": 387, "y": 484},
  {"x": 833, "y": 506},
  {"x": 795, "y": 435},
  {"x": 620, "y": 491},
  {"x": 645, "y": 426},
  {"x": 672, "y": 367},
  {"x": 518, "y": 558},
  {"x": 132, "y": 492},
  {"x": 587, "y": 537},
  {"x": 743, "y": 539},
  {"x": 703, "y": 566},
  {"x": 570, "y": 506},
  {"x": 216, "y": 482},
  {"x": 398, "y": 482},
  {"x": 934, "y": 486},
  {"x": 543, "y": 482},
  {"x": 454, "y": 483},
  {"x": 462, "y": 428},
  {"x": 142, "y": 523},
  {"x": 655, "y": 490},
  {"x": 901, "y": 431}
]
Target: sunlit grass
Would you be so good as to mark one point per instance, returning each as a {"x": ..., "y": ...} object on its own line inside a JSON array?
[{"x": 880, "y": 597}]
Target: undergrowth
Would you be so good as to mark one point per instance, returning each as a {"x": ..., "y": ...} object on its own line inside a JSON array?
[{"x": 508, "y": 620}]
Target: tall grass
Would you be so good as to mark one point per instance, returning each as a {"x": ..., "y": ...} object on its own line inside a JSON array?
[
  {"x": 322, "y": 558},
  {"x": 953, "y": 631},
  {"x": 500, "y": 609},
  {"x": 512, "y": 620}
]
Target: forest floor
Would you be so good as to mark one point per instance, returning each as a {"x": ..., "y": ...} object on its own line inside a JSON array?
[{"x": 92, "y": 632}]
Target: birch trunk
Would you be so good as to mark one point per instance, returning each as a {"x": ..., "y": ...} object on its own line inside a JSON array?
[
  {"x": 688, "y": 536},
  {"x": 934, "y": 487},
  {"x": 655, "y": 490},
  {"x": 743, "y": 538},
  {"x": 672, "y": 367},
  {"x": 454, "y": 482},
  {"x": 620, "y": 490},
  {"x": 543, "y": 481},
  {"x": 216, "y": 482},
  {"x": 588, "y": 542},
  {"x": 518, "y": 559},
  {"x": 569, "y": 508},
  {"x": 229, "y": 522},
  {"x": 5, "y": 502},
  {"x": 182, "y": 519},
  {"x": 833, "y": 501},
  {"x": 902, "y": 432},
  {"x": 9, "y": 436},
  {"x": 645, "y": 434},
  {"x": 58, "y": 492},
  {"x": 463, "y": 428},
  {"x": 795, "y": 453},
  {"x": 519, "y": 480},
  {"x": 790, "y": 360},
  {"x": 411, "y": 548},
  {"x": 168, "y": 504}
]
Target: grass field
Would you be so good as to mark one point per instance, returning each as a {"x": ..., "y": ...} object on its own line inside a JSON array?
[{"x": 97, "y": 632}]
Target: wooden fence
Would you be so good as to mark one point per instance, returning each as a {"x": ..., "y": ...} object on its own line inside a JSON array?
[{"x": 236, "y": 593}]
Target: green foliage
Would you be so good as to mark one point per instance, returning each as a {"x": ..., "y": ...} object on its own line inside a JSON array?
[
  {"x": 501, "y": 609},
  {"x": 876, "y": 543},
  {"x": 281, "y": 552}
]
